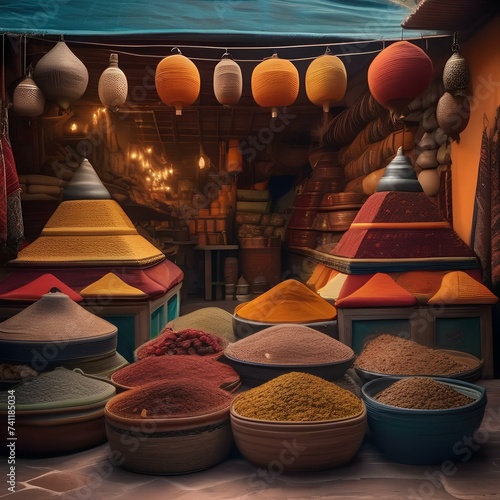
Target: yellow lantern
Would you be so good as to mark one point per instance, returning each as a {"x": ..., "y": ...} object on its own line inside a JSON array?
[
  {"x": 228, "y": 81},
  {"x": 326, "y": 81},
  {"x": 275, "y": 82},
  {"x": 177, "y": 81}
]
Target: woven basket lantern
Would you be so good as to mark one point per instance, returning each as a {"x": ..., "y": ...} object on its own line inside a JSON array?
[
  {"x": 28, "y": 99},
  {"x": 61, "y": 76},
  {"x": 228, "y": 82},
  {"x": 399, "y": 74},
  {"x": 177, "y": 81},
  {"x": 326, "y": 81},
  {"x": 275, "y": 82},
  {"x": 113, "y": 86},
  {"x": 453, "y": 113},
  {"x": 456, "y": 77}
]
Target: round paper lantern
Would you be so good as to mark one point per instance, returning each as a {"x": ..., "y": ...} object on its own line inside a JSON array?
[
  {"x": 61, "y": 76},
  {"x": 399, "y": 74},
  {"x": 113, "y": 85},
  {"x": 177, "y": 81},
  {"x": 28, "y": 99},
  {"x": 275, "y": 82},
  {"x": 228, "y": 82},
  {"x": 453, "y": 113},
  {"x": 326, "y": 81}
]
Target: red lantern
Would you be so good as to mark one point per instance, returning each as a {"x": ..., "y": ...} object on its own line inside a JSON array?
[{"x": 399, "y": 74}]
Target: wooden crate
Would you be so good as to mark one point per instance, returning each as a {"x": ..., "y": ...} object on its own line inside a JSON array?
[{"x": 466, "y": 328}]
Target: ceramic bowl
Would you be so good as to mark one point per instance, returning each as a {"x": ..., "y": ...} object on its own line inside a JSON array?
[
  {"x": 298, "y": 446},
  {"x": 423, "y": 437},
  {"x": 169, "y": 446},
  {"x": 243, "y": 327},
  {"x": 253, "y": 374}
]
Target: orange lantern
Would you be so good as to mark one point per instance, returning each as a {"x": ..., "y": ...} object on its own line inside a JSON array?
[
  {"x": 234, "y": 161},
  {"x": 275, "y": 82},
  {"x": 399, "y": 74},
  {"x": 177, "y": 81},
  {"x": 326, "y": 81},
  {"x": 228, "y": 81}
]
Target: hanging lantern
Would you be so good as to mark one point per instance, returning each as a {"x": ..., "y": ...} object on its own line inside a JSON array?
[
  {"x": 453, "y": 113},
  {"x": 113, "y": 86},
  {"x": 177, "y": 81},
  {"x": 234, "y": 162},
  {"x": 228, "y": 81},
  {"x": 275, "y": 82},
  {"x": 62, "y": 77},
  {"x": 456, "y": 77},
  {"x": 28, "y": 99},
  {"x": 326, "y": 81},
  {"x": 399, "y": 74}
]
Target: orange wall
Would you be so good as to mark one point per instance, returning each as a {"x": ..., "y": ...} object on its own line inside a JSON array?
[{"x": 482, "y": 52}]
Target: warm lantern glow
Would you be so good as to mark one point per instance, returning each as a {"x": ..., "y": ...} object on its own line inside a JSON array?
[
  {"x": 275, "y": 82},
  {"x": 177, "y": 81},
  {"x": 399, "y": 74},
  {"x": 228, "y": 82},
  {"x": 326, "y": 81}
]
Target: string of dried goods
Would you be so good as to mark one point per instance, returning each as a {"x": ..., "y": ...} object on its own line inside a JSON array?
[
  {"x": 170, "y": 399},
  {"x": 393, "y": 355},
  {"x": 422, "y": 393},
  {"x": 198, "y": 369},
  {"x": 186, "y": 341},
  {"x": 298, "y": 397},
  {"x": 289, "y": 344}
]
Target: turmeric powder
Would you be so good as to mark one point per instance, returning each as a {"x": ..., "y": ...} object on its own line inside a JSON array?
[
  {"x": 288, "y": 302},
  {"x": 298, "y": 397}
]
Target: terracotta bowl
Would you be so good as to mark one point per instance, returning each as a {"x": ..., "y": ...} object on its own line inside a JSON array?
[
  {"x": 169, "y": 446},
  {"x": 423, "y": 437},
  {"x": 299, "y": 446}
]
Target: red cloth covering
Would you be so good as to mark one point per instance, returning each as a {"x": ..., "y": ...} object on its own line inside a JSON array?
[{"x": 34, "y": 290}]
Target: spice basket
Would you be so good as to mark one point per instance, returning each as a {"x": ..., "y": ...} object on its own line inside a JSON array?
[
  {"x": 168, "y": 446},
  {"x": 474, "y": 373},
  {"x": 423, "y": 437},
  {"x": 65, "y": 424},
  {"x": 299, "y": 446},
  {"x": 253, "y": 374}
]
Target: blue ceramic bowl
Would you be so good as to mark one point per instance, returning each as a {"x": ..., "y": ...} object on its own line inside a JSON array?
[{"x": 423, "y": 437}]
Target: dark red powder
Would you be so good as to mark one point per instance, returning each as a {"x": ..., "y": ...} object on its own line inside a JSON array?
[
  {"x": 203, "y": 370},
  {"x": 169, "y": 398},
  {"x": 187, "y": 341}
]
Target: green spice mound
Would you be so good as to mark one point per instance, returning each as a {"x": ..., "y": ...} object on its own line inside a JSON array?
[
  {"x": 422, "y": 393},
  {"x": 298, "y": 397},
  {"x": 170, "y": 399}
]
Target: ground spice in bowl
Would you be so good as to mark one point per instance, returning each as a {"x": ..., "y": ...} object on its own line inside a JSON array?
[
  {"x": 392, "y": 355},
  {"x": 298, "y": 397},
  {"x": 289, "y": 344},
  {"x": 169, "y": 399},
  {"x": 202, "y": 370},
  {"x": 187, "y": 341},
  {"x": 423, "y": 393}
]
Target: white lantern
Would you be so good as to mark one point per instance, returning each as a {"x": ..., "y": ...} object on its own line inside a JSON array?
[
  {"x": 228, "y": 81},
  {"x": 113, "y": 85},
  {"x": 28, "y": 99}
]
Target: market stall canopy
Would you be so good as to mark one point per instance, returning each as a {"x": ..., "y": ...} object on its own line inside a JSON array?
[{"x": 363, "y": 19}]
